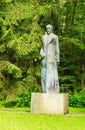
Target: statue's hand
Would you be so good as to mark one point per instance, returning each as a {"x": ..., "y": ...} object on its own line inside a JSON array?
[{"x": 42, "y": 53}]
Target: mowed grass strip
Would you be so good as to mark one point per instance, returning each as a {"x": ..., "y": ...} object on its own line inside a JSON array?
[
  {"x": 76, "y": 110},
  {"x": 28, "y": 121}
]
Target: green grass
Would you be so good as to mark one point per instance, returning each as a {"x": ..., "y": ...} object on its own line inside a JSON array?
[
  {"x": 77, "y": 110},
  {"x": 28, "y": 121}
]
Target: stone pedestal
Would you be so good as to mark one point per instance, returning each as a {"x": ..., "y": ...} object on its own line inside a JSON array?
[{"x": 49, "y": 103}]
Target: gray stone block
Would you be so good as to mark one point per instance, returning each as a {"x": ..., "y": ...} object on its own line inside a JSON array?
[{"x": 49, "y": 103}]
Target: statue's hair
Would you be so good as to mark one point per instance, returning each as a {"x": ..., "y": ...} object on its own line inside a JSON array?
[{"x": 49, "y": 26}]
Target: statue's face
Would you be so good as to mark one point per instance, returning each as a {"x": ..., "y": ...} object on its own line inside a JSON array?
[{"x": 49, "y": 30}]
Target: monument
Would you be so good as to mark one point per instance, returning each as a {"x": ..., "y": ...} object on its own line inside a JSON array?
[
  {"x": 50, "y": 101},
  {"x": 51, "y": 58}
]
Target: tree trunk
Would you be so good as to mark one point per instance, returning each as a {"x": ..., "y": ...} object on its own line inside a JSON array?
[
  {"x": 83, "y": 76},
  {"x": 73, "y": 15}
]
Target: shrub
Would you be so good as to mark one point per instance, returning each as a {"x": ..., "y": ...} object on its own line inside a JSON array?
[
  {"x": 9, "y": 103},
  {"x": 77, "y": 99},
  {"x": 23, "y": 98}
]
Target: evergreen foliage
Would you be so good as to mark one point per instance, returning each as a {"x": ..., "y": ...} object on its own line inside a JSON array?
[{"x": 22, "y": 23}]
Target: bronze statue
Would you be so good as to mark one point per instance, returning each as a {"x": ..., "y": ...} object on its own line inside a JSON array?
[{"x": 51, "y": 57}]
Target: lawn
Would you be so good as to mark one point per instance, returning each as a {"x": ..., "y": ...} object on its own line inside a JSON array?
[{"x": 29, "y": 121}]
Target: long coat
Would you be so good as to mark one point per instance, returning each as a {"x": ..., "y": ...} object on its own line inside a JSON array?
[{"x": 51, "y": 56}]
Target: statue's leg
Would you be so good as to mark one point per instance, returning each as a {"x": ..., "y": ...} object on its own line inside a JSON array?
[
  {"x": 43, "y": 79},
  {"x": 43, "y": 75},
  {"x": 49, "y": 79},
  {"x": 52, "y": 82},
  {"x": 56, "y": 88}
]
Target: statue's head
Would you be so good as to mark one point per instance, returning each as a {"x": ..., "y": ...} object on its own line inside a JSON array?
[{"x": 49, "y": 28}]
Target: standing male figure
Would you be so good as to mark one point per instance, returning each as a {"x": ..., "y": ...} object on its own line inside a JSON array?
[{"x": 51, "y": 57}]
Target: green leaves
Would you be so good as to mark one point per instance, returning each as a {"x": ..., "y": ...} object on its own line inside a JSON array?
[
  {"x": 18, "y": 11},
  {"x": 2, "y": 48},
  {"x": 6, "y": 1},
  {"x": 10, "y": 68},
  {"x": 77, "y": 42},
  {"x": 22, "y": 24},
  {"x": 77, "y": 99}
]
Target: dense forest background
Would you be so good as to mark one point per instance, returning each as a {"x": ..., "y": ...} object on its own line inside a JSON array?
[{"x": 22, "y": 23}]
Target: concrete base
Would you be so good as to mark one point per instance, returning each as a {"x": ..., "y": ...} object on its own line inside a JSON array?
[{"x": 49, "y": 103}]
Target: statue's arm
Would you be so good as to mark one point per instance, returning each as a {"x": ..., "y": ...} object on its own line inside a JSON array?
[
  {"x": 57, "y": 50},
  {"x": 42, "y": 51}
]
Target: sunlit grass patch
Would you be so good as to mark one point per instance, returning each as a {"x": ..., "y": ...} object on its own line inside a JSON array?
[{"x": 29, "y": 121}]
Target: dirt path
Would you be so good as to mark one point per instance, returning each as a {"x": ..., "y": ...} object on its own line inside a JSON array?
[
  {"x": 75, "y": 114},
  {"x": 12, "y": 110},
  {"x": 27, "y": 111}
]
